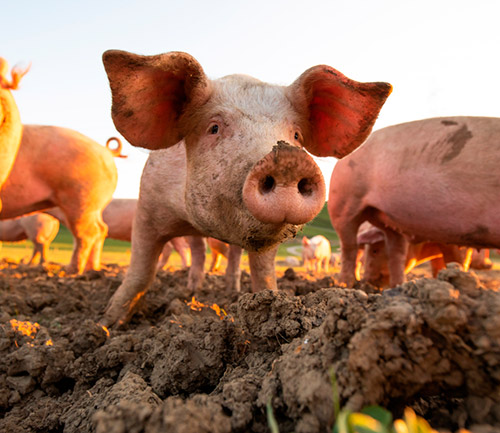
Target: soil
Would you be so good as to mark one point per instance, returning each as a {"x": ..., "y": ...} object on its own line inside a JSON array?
[{"x": 431, "y": 344}]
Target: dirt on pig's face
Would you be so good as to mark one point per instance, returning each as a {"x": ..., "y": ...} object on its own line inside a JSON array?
[{"x": 241, "y": 123}]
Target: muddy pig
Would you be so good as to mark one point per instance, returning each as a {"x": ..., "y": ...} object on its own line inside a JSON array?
[
  {"x": 10, "y": 120},
  {"x": 229, "y": 157},
  {"x": 39, "y": 228},
  {"x": 431, "y": 180},
  {"x": 316, "y": 253}
]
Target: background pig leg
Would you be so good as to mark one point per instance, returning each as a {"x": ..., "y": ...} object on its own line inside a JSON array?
[
  {"x": 183, "y": 250},
  {"x": 233, "y": 270},
  {"x": 94, "y": 260},
  {"x": 87, "y": 231},
  {"x": 349, "y": 250},
  {"x": 216, "y": 260},
  {"x": 39, "y": 250},
  {"x": 397, "y": 249},
  {"x": 165, "y": 255},
  {"x": 262, "y": 269},
  {"x": 197, "y": 270},
  {"x": 436, "y": 265}
]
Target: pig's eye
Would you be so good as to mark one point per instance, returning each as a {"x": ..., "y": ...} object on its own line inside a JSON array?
[
  {"x": 297, "y": 136},
  {"x": 214, "y": 129}
]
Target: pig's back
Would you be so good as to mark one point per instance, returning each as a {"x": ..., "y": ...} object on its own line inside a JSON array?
[{"x": 427, "y": 175}]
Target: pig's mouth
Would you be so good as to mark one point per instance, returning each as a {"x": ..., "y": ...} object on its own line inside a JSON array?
[
  {"x": 261, "y": 240},
  {"x": 284, "y": 187}
]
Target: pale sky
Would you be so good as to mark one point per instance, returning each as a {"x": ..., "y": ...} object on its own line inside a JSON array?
[{"x": 441, "y": 56}]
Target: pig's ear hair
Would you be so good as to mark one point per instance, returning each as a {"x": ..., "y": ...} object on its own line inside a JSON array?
[
  {"x": 339, "y": 112},
  {"x": 150, "y": 94},
  {"x": 305, "y": 241}
]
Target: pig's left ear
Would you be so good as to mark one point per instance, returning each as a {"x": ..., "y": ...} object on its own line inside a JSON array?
[
  {"x": 151, "y": 93},
  {"x": 340, "y": 112}
]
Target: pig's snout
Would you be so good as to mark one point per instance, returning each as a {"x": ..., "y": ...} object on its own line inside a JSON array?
[{"x": 286, "y": 186}]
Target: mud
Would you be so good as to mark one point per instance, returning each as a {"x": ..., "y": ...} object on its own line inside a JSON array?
[{"x": 432, "y": 344}]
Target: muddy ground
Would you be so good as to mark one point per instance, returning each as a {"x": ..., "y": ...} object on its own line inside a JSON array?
[{"x": 432, "y": 344}]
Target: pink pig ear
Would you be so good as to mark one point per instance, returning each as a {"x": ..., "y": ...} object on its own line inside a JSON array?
[
  {"x": 150, "y": 93},
  {"x": 341, "y": 112}
]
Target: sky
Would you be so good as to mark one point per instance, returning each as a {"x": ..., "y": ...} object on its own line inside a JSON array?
[{"x": 441, "y": 56}]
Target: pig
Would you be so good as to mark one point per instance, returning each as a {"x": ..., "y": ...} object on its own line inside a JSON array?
[
  {"x": 10, "y": 119},
  {"x": 376, "y": 270},
  {"x": 432, "y": 180},
  {"x": 316, "y": 253},
  {"x": 39, "y": 228},
  {"x": 61, "y": 167},
  {"x": 228, "y": 157}
]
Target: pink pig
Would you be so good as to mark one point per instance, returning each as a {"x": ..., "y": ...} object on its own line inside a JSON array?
[
  {"x": 61, "y": 167},
  {"x": 39, "y": 228},
  {"x": 316, "y": 253},
  {"x": 229, "y": 159},
  {"x": 54, "y": 167},
  {"x": 431, "y": 180}
]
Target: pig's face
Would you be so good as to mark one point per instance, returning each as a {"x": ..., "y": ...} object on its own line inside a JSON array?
[
  {"x": 248, "y": 180},
  {"x": 243, "y": 120}
]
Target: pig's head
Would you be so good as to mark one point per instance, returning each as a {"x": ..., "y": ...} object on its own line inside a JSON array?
[{"x": 250, "y": 181}]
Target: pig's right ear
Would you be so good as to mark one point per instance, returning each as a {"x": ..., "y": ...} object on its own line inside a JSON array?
[{"x": 150, "y": 93}]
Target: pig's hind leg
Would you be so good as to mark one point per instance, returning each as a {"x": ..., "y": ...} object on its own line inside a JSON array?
[
  {"x": 397, "y": 250},
  {"x": 349, "y": 251},
  {"x": 233, "y": 270},
  {"x": 89, "y": 233},
  {"x": 197, "y": 270}
]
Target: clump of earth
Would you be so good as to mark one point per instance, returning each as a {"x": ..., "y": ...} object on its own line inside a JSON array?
[{"x": 212, "y": 363}]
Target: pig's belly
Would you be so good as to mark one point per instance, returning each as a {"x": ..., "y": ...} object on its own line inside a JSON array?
[
  {"x": 452, "y": 223},
  {"x": 21, "y": 199}
]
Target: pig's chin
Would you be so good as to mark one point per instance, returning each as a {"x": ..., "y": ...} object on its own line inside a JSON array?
[
  {"x": 238, "y": 227},
  {"x": 268, "y": 236}
]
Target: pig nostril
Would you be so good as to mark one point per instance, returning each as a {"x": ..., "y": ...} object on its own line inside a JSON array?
[
  {"x": 267, "y": 184},
  {"x": 305, "y": 187}
]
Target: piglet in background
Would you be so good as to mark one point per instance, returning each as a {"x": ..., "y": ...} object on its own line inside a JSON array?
[{"x": 316, "y": 254}]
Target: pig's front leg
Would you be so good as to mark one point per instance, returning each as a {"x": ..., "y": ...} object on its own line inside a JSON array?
[
  {"x": 197, "y": 270},
  {"x": 146, "y": 248},
  {"x": 262, "y": 270},
  {"x": 233, "y": 270}
]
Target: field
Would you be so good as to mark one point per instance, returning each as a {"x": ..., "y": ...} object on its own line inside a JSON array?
[
  {"x": 118, "y": 252},
  {"x": 211, "y": 361}
]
